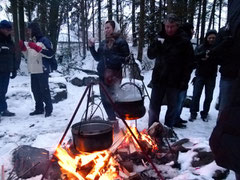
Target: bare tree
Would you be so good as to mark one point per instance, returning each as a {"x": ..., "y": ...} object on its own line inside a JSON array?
[
  {"x": 134, "y": 33},
  {"x": 109, "y": 10},
  {"x": 141, "y": 30}
]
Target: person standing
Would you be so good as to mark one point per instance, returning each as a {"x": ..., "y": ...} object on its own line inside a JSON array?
[
  {"x": 206, "y": 72},
  {"x": 174, "y": 59},
  {"x": 39, "y": 53},
  {"x": 111, "y": 55},
  {"x": 188, "y": 29},
  {"x": 8, "y": 64}
]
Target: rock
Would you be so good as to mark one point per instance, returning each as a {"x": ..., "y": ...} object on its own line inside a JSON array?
[
  {"x": 58, "y": 91},
  {"x": 84, "y": 82},
  {"x": 30, "y": 161}
]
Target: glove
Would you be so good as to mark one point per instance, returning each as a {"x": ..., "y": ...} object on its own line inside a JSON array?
[
  {"x": 22, "y": 45},
  {"x": 35, "y": 46},
  {"x": 14, "y": 74}
]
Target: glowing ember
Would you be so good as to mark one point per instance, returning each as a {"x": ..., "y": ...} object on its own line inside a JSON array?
[
  {"x": 143, "y": 136},
  {"x": 101, "y": 164}
]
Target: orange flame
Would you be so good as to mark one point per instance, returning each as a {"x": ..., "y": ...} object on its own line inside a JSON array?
[{"x": 100, "y": 159}]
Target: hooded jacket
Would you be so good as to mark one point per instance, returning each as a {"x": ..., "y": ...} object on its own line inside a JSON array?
[
  {"x": 45, "y": 55},
  {"x": 112, "y": 57},
  {"x": 7, "y": 54}
]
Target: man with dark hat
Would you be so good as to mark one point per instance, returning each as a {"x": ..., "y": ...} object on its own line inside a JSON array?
[
  {"x": 7, "y": 64},
  {"x": 39, "y": 54}
]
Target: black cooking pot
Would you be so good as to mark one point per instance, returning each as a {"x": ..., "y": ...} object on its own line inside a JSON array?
[
  {"x": 89, "y": 136},
  {"x": 131, "y": 109}
]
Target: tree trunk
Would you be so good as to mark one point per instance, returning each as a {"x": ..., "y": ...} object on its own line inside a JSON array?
[
  {"x": 69, "y": 39},
  {"x": 169, "y": 6},
  {"x": 99, "y": 21},
  {"x": 134, "y": 33},
  {"x": 203, "y": 19},
  {"x": 93, "y": 18},
  {"x": 21, "y": 20},
  {"x": 42, "y": 10},
  {"x": 211, "y": 20},
  {"x": 83, "y": 27},
  {"x": 198, "y": 20},
  {"x": 16, "y": 28},
  {"x": 54, "y": 26},
  {"x": 220, "y": 14},
  {"x": 117, "y": 10},
  {"x": 152, "y": 18},
  {"x": 109, "y": 9},
  {"x": 141, "y": 30}
]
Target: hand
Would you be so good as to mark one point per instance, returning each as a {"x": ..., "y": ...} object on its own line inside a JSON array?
[
  {"x": 14, "y": 74},
  {"x": 22, "y": 45},
  {"x": 91, "y": 42},
  {"x": 35, "y": 46}
]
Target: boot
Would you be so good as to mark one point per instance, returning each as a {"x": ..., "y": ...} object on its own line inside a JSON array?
[
  {"x": 36, "y": 112},
  {"x": 7, "y": 113},
  {"x": 193, "y": 117}
]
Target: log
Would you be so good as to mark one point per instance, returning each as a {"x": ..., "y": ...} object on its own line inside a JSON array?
[{"x": 120, "y": 137}]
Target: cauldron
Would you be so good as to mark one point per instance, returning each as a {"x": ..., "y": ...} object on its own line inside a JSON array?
[
  {"x": 130, "y": 109},
  {"x": 93, "y": 135}
]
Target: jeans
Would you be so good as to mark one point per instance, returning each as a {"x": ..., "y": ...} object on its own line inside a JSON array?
[
  {"x": 209, "y": 84},
  {"x": 41, "y": 92},
  {"x": 226, "y": 85},
  {"x": 4, "y": 81},
  {"x": 158, "y": 92},
  {"x": 180, "y": 102}
]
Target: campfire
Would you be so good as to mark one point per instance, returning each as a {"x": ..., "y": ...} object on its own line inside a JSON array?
[{"x": 107, "y": 164}]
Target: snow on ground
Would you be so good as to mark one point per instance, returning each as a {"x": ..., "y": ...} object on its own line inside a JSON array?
[{"x": 42, "y": 132}]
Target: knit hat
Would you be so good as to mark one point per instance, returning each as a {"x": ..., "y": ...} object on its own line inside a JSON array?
[
  {"x": 212, "y": 31},
  {"x": 4, "y": 24}
]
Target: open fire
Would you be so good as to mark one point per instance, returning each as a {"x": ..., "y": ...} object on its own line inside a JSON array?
[{"x": 101, "y": 164}]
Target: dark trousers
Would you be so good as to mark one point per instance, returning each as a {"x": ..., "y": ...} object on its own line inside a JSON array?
[
  {"x": 180, "y": 102},
  {"x": 4, "y": 81},
  {"x": 209, "y": 84},
  {"x": 158, "y": 92},
  {"x": 226, "y": 85},
  {"x": 106, "y": 103},
  {"x": 41, "y": 92}
]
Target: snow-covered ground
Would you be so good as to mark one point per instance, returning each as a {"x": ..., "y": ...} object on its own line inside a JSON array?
[{"x": 42, "y": 132}]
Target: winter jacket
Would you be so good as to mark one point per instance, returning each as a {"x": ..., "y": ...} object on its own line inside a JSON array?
[
  {"x": 174, "y": 61},
  {"x": 7, "y": 54},
  {"x": 225, "y": 138},
  {"x": 111, "y": 58},
  {"x": 226, "y": 49},
  {"x": 40, "y": 62},
  {"x": 206, "y": 68}
]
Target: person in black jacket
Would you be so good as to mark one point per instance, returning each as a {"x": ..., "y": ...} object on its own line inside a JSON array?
[
  {"x": 111, "y": 54},
  {"x": 206, "y": 72},
  {"x": 173, "y": 66},
  {"x": 39, "y": 53},
  {"x": 226, "y": 51},
  {"x": 7, "y": 64}
]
